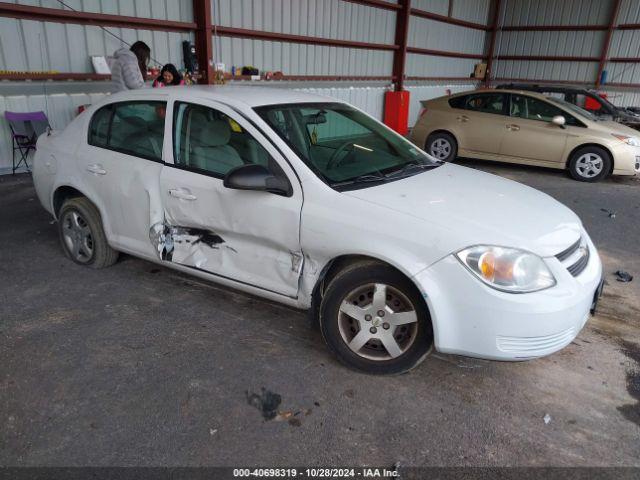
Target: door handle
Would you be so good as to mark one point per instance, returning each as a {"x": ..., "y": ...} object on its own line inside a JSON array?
[
  {"x": 512, "y": 127},
  {"x": 97, "y": 169},
  {"x": 182, "y": 194},
  {"x": 463, "y": 118}
]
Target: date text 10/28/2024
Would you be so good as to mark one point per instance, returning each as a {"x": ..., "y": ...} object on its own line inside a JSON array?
[{"x": 315, "y": 472}]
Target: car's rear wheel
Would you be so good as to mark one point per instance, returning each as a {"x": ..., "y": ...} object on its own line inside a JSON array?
[
  {"x": 82, "y": 236},
  {"x": 590, "y": 164},
  {"x": 375, "y": 320},
  {"x": 442, "y": 146}
]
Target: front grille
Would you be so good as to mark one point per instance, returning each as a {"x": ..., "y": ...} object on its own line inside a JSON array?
[
  {"x": 575, "y": 258},
  {"x": 563, "y": 255},
  {"x": 577, "y": 268}
]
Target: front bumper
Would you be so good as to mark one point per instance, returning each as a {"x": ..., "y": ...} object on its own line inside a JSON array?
[
  {"x": 470, "y": 318},
  {"x": 626, "y": 159}
]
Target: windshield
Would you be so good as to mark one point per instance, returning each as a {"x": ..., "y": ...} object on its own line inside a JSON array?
[
  {"x": 573, "y": 108},
  {"x": 343, "y": 146}
]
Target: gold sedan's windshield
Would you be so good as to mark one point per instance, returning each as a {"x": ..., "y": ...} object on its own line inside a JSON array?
[{"x": 344, "y": 146}]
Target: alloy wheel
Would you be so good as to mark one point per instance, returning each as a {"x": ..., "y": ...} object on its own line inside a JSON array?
[
  {"x": 589, "y": 165},
  {"x": 378, "y": 322},
  {"x": 440, "y": 148},
  {"x": 77, "y": 236}
]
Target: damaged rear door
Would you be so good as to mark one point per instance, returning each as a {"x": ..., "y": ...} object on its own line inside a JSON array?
[{"x": 251, "y": 237}]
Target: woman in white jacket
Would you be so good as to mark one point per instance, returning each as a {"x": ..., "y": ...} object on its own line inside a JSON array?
[{"x": 129, "y": 70}]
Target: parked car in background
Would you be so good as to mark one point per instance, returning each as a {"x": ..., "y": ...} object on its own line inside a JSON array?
[
  {"x": 310, "y": 202},
  {"x": 529, "y": 128},
  {"x": 590, "y": 100}
]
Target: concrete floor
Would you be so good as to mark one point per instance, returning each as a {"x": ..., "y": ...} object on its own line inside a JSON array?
[{"x": 139, "y": 365}]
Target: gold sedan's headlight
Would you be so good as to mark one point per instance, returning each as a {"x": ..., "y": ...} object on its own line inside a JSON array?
[{"x": 633, "y": 141}]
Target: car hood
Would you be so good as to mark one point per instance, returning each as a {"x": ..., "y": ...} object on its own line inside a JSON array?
[
  {"x": 619, "y": 128},
  {"x": 457, "y": 207}
]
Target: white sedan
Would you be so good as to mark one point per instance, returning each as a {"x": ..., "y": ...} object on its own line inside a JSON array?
[{"x": 310, "y": 202}]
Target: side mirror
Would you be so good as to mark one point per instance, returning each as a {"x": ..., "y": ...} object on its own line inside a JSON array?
[
  {"x": 559, "y": 120},
  {"x": 257, "y": 178}
]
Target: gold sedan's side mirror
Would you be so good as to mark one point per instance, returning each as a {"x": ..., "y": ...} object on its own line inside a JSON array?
[{"x": 559, "y": 120}]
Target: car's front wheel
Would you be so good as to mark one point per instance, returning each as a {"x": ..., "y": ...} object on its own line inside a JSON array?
[
  {"x": 590, "y": 164},
  {"x": 442, "y": 146},
  {"x": 82, "y": 236},
  {"x": 375, "y": 320}
]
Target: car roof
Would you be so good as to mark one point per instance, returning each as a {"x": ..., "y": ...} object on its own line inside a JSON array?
[
  {"x": 543, "y": 88},
  {"x": 252, "y": 96},
  {"x": 493, "y": 90}
]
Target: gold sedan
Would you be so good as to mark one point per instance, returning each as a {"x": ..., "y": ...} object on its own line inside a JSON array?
[{"x": 528, "y": 128}]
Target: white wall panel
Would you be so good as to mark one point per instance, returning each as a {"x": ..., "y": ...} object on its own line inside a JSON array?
[
  {"x": 432, "y": 66},
  {"x": 625, "y": 43},
  {"x": 623, "y": 72},
  {"x": 426, "y": 33},
  {"x": 179, "y": 10},
  {"x": 369, "y": 99},
  {"x": 556, "y": 12},
  {"x": 476, "y": 11},
  {"x": 302, "y": 59},
  {"x": 538, "y": 70},
  {"x": 27, "y": 45},
  {"x": 574, "y": 43},
  {"x": 571, "y": 43},
  {"x": 623, "y": 98},
  {"x": 441, "y": 7},
  {"x": 336, "y": 19},
  {"x": 629, "y": 12}
]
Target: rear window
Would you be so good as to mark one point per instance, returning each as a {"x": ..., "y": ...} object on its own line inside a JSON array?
[
  {"x": 457, "y": 102},
  {"x": 482, "y": 102}
]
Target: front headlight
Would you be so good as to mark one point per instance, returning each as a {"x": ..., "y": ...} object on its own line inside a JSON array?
[
  {"x": 633, "y": 141},
  {"x": 507, "y": 269}
]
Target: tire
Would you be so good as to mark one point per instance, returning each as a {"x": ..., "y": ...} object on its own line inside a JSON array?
[
  {"x": 442, "y": 146},
  {"x": 358, "y": 289},
  {"x": 590, "y": 164},
  {"x": 82, "y": 236}
]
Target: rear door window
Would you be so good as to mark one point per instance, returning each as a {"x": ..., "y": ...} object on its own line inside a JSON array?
[
  {"x": 134, "y": 128},
  {"x": 486, "y": 103}
]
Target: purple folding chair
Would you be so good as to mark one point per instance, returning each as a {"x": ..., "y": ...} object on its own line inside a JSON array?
[{"x": 26, "y": 127}]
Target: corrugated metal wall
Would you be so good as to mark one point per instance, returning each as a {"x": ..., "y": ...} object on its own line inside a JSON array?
[
  {"x": 572, "y": 43},
  {"x": 42, "y": 46},
  {"x": 27, "y": 45},
  {"x": 316, "y": 18},
  {"x": 334, "y": 19},
  {"x": 554, "y": 12},
  {"x": 301, "y": 59},
  {"x": 624, "y": 43},
  {"x": 430, "y": 34},
  {"x": 476, "y": 11}
]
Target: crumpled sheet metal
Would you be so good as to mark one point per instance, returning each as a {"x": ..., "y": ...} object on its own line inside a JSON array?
[{"x": 184, "y": 245}]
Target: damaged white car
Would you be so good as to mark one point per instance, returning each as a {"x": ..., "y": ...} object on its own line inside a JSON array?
[{"x": 310, "y": 202}]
